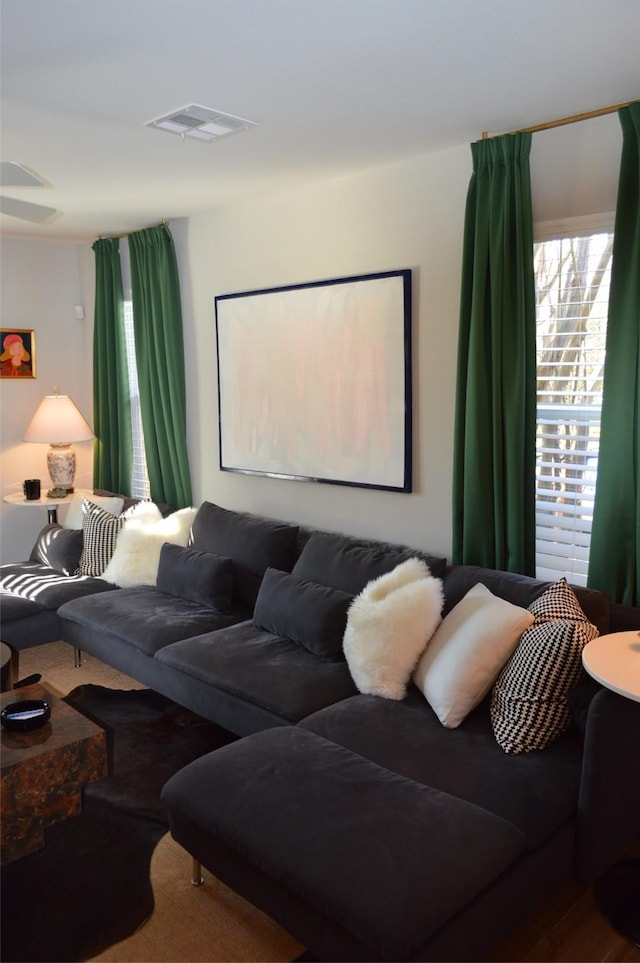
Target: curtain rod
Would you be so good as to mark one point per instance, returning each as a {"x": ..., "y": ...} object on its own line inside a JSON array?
[
  {"x": 116, "y": 237},
  {"x": 564, "y": 120}
]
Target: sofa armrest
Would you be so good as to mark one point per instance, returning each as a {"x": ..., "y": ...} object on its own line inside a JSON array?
[{"x": 608, "y": 820}]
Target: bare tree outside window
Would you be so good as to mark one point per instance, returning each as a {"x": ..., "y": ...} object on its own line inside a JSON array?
[{"x": 572, "y": 286}]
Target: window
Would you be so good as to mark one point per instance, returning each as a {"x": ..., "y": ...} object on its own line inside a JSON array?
[
  {"x": 140, "y": 480},
  {"x": 572, "y": 290}
]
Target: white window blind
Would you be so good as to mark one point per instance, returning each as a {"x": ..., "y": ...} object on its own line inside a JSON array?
[
  {"x": 139, "y": 479},
  {"x": 572, "y": 288}
]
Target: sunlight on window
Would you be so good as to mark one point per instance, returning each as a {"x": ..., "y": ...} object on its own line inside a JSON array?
[{"x": 140, "y": 480}]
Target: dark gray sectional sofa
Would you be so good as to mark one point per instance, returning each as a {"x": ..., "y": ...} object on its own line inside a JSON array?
[
  {"x": 371, "y": 832},
  {"x": 219, "y": 663},
  {"x": 363, "y": 825}
]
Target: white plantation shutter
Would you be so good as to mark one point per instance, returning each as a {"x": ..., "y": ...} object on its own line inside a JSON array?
[{"x": 572, "y": 289}]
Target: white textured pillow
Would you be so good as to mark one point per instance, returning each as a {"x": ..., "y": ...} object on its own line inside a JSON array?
[
  {"x": 388, "y": 625},
  {"x": 74, "y": 517},
  {"x": 137, "y": 552},
  {"x": 467, "y": 652}
]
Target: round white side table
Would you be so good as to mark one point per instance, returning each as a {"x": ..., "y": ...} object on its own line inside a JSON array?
[
  {"x": 51, "y": 504},
  {"x": 614, "y": 661}
]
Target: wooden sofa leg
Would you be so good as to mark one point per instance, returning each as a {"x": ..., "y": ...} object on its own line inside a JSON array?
[{"x": 196, "y": 873}]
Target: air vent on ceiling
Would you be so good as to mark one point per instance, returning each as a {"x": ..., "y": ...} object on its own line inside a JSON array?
[{"x": 200, "y": 123}]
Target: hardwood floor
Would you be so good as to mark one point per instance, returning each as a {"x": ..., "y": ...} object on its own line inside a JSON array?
[{"x": 569, "y": 928}]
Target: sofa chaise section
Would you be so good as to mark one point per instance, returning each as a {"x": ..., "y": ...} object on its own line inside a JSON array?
[
  {"x": 382, "y": 860},
  {"x": 343, "y": 828}
]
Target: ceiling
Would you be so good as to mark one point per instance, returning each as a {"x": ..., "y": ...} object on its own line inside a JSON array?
[{"x": 335, "y": 86}]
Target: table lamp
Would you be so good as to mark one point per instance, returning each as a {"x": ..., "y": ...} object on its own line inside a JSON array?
[{"x": 57, "y": 422}]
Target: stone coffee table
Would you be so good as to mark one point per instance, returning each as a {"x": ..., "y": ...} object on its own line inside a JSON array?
[{"x": 43, "y": 772}]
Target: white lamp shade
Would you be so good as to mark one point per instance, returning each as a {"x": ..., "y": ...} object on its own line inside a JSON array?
[{"x": 57, "y": 421}]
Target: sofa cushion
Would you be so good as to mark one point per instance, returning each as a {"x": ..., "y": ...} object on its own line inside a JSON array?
[
  {"x": 519, "y": 589},
  {"x": 467, "y": 652},
  {"x": 41, "y": 584},
  {"x": 59, "y": 548},
  {"x": 144, "y": 618},
  {"x": 529, "y": 707},
  {"x": 26, "y": 623},
  {"x": 537, "y": 792},
  {"x": 130, "y": 501},
  {"x": 281, "y": 677},
  {"x": 516, "y": 588},
  {"x": 313, "y": 615},
  {"x": 137, "y": 551},
  {"x": 14, "y": 608},
  {"x": 197, "y": 576},
  {"x": 347, "y": 563},
  {"x": 374, "y": 852},
  {"x": 388, "y": 626},
  {"x": 253, "y": 543}
]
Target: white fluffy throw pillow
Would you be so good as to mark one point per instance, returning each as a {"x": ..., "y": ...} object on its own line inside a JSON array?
[
  {"x": 388, "y": 626},
  {"x": 137, "y": 553}
]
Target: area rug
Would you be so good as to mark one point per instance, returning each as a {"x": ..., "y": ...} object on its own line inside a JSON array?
[{"x": 89, "y": 887}]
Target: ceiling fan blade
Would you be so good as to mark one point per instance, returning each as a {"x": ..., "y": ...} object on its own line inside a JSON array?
[
  {"x": 36, "y": 213},
  {"x": 16, "y": 175}
]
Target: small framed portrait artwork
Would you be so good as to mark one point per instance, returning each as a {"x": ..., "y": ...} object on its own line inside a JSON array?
[{"x": 17, "y": 353}]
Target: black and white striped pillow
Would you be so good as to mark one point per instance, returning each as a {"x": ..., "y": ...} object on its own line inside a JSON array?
[
  {"x": 100, "y": 530},
  {"x": 529, "y": 707}
]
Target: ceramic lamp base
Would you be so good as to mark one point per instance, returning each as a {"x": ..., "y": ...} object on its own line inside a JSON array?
[{"x": 61, "y": 462}]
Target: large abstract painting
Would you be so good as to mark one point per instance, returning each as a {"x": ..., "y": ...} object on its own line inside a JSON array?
[{"x": 314, "y": 381}]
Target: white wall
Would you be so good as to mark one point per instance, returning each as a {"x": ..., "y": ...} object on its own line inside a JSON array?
[
  {"x": 405, "y": 215},
  {"x": 41, "y": 284}
]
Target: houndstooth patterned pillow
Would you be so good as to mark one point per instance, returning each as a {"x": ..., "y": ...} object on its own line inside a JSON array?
[
  {"x": 529, "y": 707},
  {"x": 100, "y": 530}
]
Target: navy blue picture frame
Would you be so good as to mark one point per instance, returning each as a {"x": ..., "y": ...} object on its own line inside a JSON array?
[{"x": 315, "y": 381}]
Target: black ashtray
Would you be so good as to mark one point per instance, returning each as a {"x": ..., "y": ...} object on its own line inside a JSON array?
[{"x": 25, "y": 716}]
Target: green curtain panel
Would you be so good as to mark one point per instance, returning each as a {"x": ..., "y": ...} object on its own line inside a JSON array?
[
  {"x": 157, "y": 320},
  {"x": 494, "y": 446},
  {"x": 614, "y": 559},
  {"x": 112, "y": 457}
]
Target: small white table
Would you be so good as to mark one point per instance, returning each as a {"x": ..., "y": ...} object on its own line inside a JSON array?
[
  {"x": 51, "y": 504},
  {"x": 614, "y": 661}
]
